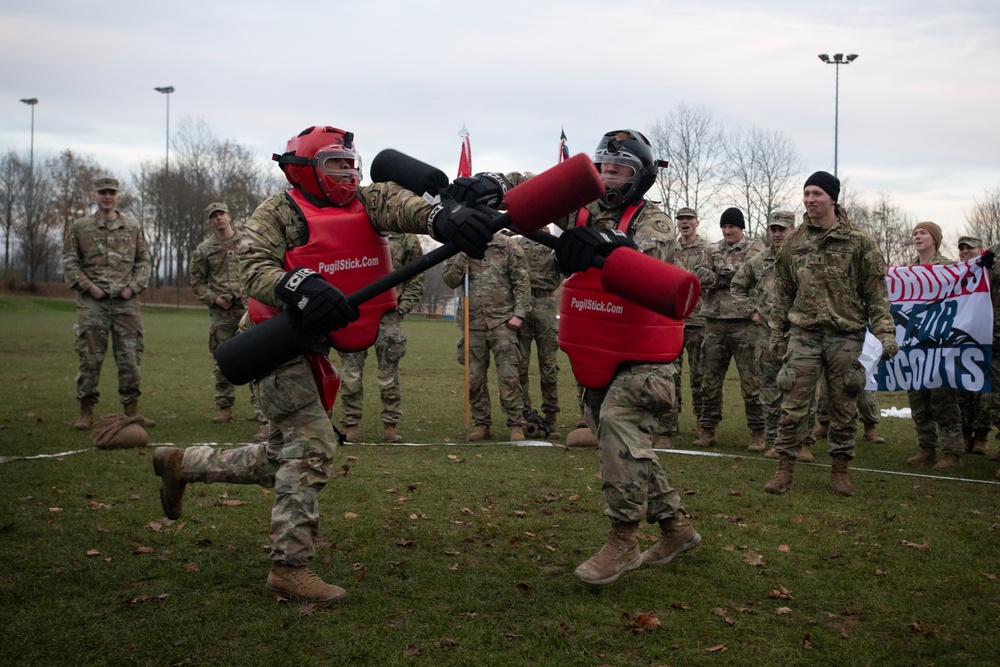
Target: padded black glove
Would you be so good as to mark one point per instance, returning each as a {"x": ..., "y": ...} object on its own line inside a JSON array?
[
  {"x": 987, "y": 260},
  {"x": 578, "y": 246},
  {"x": 468, "y": 228},
  {"x": 322, "y": 306},
  {"x": 483, "y": 189}
]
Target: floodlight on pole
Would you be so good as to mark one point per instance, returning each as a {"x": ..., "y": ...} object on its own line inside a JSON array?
[
  {"x": 837, "y": 60},
  {"x": 166, "y": 90},
  {"x": 31, "y": 102}
]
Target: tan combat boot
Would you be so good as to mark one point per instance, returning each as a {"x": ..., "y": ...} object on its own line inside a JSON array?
[
  {"x": 756, "y": 441},
  {"x": 980, "y": 442},
  {"x": 132, "y": 410},
  {"x": 550, "y": 418},
  {"x": 948, "y": 462},
  {"x": 86, "y": 418},
  {"x": 262, "y": 433},
  {"x": 480, "y": 432},
  {"x": 581, "y": 438},
  {"x": 805, "y": 454},
  {"x": 771, "y": 454},
  {"x": 352, "y": 433},
  {"x": 664, "y": 441},
  {"x": 820, "y": 430},
  {"x": 620, "y": 553},
  {"x": 223, "y": 416},
  {"x": 872, "y": 436},
  {"x": 516, "y": 434},
  {"x": 782, "y": 480},
  {"x": 706, "y": 439},
  {"x": 839, "y": 481},
  {"x": 167, "y": 466},
  {"x": 390, "y": 434},
  {"x": 924, "y": 456},
  {"x": 301, "y": 583},
  {"x": 677, "y": 535}
]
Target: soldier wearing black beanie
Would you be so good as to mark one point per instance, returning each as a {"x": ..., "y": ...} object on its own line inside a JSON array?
[
  {"x": 734, "y": 217},
  {"x": 826, "y": 182}
]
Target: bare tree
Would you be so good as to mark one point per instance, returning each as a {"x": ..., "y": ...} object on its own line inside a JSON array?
[
  {"x": 692, "y": 142},
  {"x": 984, "y": 220},
  {"x": 887, "y": 223},
  {"x": 762, "y": 167},
  {"x": 35, "y": 229},
  {"x": 12, "y": 185}
]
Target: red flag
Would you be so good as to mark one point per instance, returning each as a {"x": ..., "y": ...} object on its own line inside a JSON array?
[
  {"x": 563, "y": 148},
  {"x": 465, "y": 161}
]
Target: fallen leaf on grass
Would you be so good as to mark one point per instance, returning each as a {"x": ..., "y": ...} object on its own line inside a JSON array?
[
  {"x": 991, "y": 577},
  {"x": 716, "y": 649},
  {"x": 308, "y": 609},
  {"x": 137, "y": 600},
  {"x": 192, "y": 567},
  {"x": 155, "y": 526},
  {"x": 99, "y": 506},
  {"x": 412, "y": 650},
  {"x": 926, "y": 546},
  {"x": 781, "y": 593},
  {"x": 229, "y": 503},
  {"x": 751, "y": 557},
  {"x": 455, "y": 458},
  {"x": 880, "y": 572},
  {"x": 403, "y": 542},
  {"x": 644, "y": 621},
  {"x": 807, "y": 641},
  {"x": 446, "y": 642},
  {"x": 784, "y": 548},
  {"x": 93, "y": 552},
  {"x": 780, "y": 611},
  {"x": 679, "y": 605},
  {"x": 55, "y": 509},
  {"x": 138, "y": 551},
  {"x": 350, "y": 515}
]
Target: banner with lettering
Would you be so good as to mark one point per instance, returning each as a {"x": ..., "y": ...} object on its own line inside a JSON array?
[{"x": 944, "y": 327}]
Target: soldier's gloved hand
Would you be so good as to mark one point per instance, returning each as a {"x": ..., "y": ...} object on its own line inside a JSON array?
[
  {"x": 483, "y": 189},
  {"x": 578, "y": 246},
  {"x": 890, "y": 348},
  {"x": 777, "y": 345},
  {"x": 322, "y": 306},
  {"x": 468, "y": 228},
  {"x": 987, "y": 260}
]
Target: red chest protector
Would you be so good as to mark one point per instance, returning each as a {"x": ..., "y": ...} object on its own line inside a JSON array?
[
  {"x": 600, "y": 331},
  {"x": 349, "y": 254}
]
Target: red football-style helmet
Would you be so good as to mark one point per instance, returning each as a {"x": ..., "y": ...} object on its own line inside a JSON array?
[{"x": 323, "y": 161}]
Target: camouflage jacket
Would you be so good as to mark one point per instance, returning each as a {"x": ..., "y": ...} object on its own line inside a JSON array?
[
  {"x": 110, "y": 254},
  {"x": 937, "y": 259},
  {"x": 215, "y": 270},
  {"x": 543, "y": 269},
  {"x": 499, "y": 286},
  {"x": 718, "y": 265},
  {"x": 831, "y": 281},
  {"x": 404, "y": 249},
  {"x": 752, "y": 288},
  {"x": 689, "y": 257},
  {"x": 277, "y": 226}
]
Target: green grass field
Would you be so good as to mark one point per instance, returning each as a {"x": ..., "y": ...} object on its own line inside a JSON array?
[{"x": 456, "y": 554}]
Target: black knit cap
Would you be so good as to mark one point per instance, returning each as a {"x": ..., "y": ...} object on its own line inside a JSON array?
[
  {"x": 826, "y": 182},
  {"x": 734, "y": 217}
]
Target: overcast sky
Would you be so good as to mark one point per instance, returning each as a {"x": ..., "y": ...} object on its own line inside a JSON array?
[{"x": 918, "y": 109}]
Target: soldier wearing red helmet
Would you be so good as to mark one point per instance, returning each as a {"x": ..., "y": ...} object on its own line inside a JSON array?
[{"x": 304, "y": 249}]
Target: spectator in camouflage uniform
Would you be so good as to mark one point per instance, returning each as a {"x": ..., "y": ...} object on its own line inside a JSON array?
[
  {"x": 829, "y": 286},
  {"x": 215, "y": 281},
  {"x": 690, "y": 250},
  {"x": 498, "y": 301},
  {"x": 541, "y": 325},
  {"x": 868, "y": 411},
  {"x": 327, "y": 201},
  {"x": 729, "y": 334},
  {"x": 752, "y": 291},
  {"x": 936, "y": 415},
  {"x": 975, "y": 405},
  {"x": 106, "y": 262},
  {"x": 390, "y": 347}
]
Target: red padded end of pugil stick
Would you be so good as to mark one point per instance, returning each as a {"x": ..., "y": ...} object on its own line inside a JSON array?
[
  {"x": 554, "y": 193},
  {"x": 658, "y": 286}
]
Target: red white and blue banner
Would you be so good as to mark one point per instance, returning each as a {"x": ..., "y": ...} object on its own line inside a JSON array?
[
  {"x": 944, "y": 327},
  {"x": 465, "y": 160}
]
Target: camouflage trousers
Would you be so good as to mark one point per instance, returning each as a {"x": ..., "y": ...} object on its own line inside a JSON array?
[
  {"x": 626, "y": 418},
  {"x": 726, "y": 340},
  {"x": 390, "y": 347},
  {"x": 95, "y": 321},
  {"x": 542, "y": 327},
  {"x": 502, "y": 341},
  {"x": 868, "y": 409},
  {"x": 770, "y": 395},
  {"x": 223, "y": 325},
  {"x": 297, "y": 460},
  {"x": 937, "y": 419},
  {"x": 694, "y": 340},
  {"x": 813, "y": 355},
  {"x": 975, "y": 408}
]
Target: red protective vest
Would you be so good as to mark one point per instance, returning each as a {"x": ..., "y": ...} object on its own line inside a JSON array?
[
  {"x": 600, "y": 331},
  {"x": 345, "y": 249}
]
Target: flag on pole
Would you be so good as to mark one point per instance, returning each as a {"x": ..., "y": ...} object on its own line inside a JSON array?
[
  {"x": 465, "y": 161},
  {"x": 563, "y": 148}
]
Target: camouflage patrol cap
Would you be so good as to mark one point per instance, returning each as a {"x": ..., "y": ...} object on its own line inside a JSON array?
[
  {"x": 215, "y": 206},
  {"x": 106, "y": 183},
  {"x": 782, "y": 219},
  {"x": 686, "y": 212},
  {"x": 971, "y": 241}
]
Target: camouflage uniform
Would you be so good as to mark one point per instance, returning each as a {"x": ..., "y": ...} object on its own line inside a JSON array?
[
  {"x": 728, "y": 334},
  {"x": 298, "y": 458},
  {"x": 215, "y": 272},
  {"x": 499, "y": 289},
  {"x": 541, "y": 325},
  {"x": 936, "y": 415},
  {"x": 390, "y": 345},
  {"x": 113, "y": 255},
  {"x": 829, "y": 285}
]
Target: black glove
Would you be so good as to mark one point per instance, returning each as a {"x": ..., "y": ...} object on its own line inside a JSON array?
[
  {"x": 987, "y": 259},
  {"x": 468, "y": 228},
  {"x": 578, "y": 246},
  {"x": 322, "y": 306},
  {"x": 483, "y": 189}
]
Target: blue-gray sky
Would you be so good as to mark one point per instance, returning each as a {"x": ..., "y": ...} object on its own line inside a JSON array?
[{"x": 918, "y": 108}]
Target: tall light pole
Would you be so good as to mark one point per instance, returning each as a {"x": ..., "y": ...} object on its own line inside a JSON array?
[
  {"x": 166, "y": 90},
  {"x": 837, "y": 60},
  {"x": 31, "y": 102}
]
